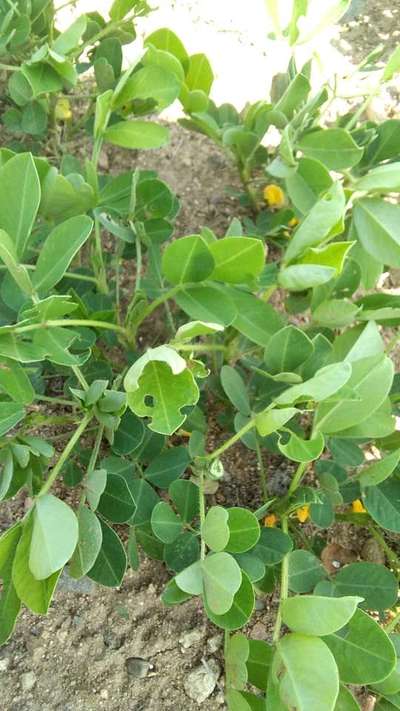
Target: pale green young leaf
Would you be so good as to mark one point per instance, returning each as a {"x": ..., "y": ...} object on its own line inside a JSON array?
[
  {"x": 18, "y": 272},
  {"x": 199, "y": 74},
  {"x": 392, "y": 66},
  {"x": 137, "y": 134},
  {"x": 383, "y": 179},
  {"x": 302, "y": 450},
  {"x": 379, "y": 470},
  {"x": 215, "y": 530},
  {"x": 235, "y": 389},
  {"x": 35, "y": 594},
  {"x": 193, "y": 329},
  {"x": 54, "y": 536},
  {"x": 168, "y": 41},
  {"x": 15, "y": 382},
  {"x": 237, "y": 259},
  {"x": 222, "y": 579},
  {"x": 325, "y": 383},
  {"x": 19, "y": 199},
  {"x": 270, "y": 421},
  {"x": 69, "y": 39},
  {"x": 318, "y": 225},
  {"x": 165, "y": 523},
  {"x": 306, "y": 672},
  {"x": 89, "y": 543},
  {"x": 334, "y": 147},
  {"x": 318, "y": 616},
  {"x": 376, "y": 223}
]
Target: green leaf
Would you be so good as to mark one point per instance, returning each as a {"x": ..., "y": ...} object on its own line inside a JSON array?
[
  {"x": 187, "y": 260},
  {"x": 346, "y": 701},
  {"x": 172, "y": 595},
  {"x": 334, "y": 147},
  {"x": 54, "y": 536},
  {"x": 15, "y": 382},
  {"x": 237, "y": 259},
  {"x": 185, "y": 495},
  {"x": 299, "y": 277},
  {"x": 168, "y": 41},
  {"x": 193, "y": 329},
  {"x": 151, "y": 82},
  {"x": 116, "y": 503},
  {"x": 182, "y": 552},
  {"x": 255, "y": 319},
  {"x": 259, "y": 663},
  {"x": 167, "y": 467},
  {"x": 10, "y": 604},
  {"x": 244, "y": 530},
  {"x": 190, "y": 580},
  {"x": 318, "y": 616},
  {"x": 392, "y": 66},
  {"x": 273, "y": 545},
  {"x": 305, "y": 571},
  {"x": 110, "y": 566},
  {"x": 145, "y": 499},
  {"x": 383, "y": 179},
  {"x": 307, "y": 184},
  {"x": 270, "y": 421},
  {"x": 376, "y": 225},
  {"x": 69, "y": 39},
  {"x": 295, "y": 94},
  {"x": 241, "y": 609},
  {"x": 368, "y": 387},
  {"x": 306, "y": 672},
  {"x": 215, "y": 530},
  {"x": 235, "y": 389},
  {"x": 287, "y": 350},
  {"x": 325, "y": 383},
  {"x": 236, "y": 655},
  {"x": 320, "y": 223},
  {"x": 199, "y": 74},
  {"x": 375, "y": 583},
  {"x": 222, "y": 579},
  {"x": 137, "y": 134},
  {"x": 129, "y": 435},
  {"x": 95, "y": 483},
  {"x": 158, "y": 385},
  {"x": 10, "y": 414},
  {"x": 35, "y": 594},
  {"x": 362, "y": 650},
  {"x": 89, "y": 543},
  {"x": 380, "y": 470},
  {"x": 19, "y": 199},
  {"x": 59, "y": 249},
  {"x": 18, "y": 272},
  {"x": 383, "y": 504},
  {"x": 165, "y": 523},
  {"x": 6, "y": 471},
  {"x": 302, "y": 450}
]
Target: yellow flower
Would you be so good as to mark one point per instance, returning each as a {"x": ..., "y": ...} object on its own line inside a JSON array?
[
  {"x": 274, "y": 196},
  {"x": 293, "y": 222},
  {"x": 303, "y": 513},
  {"x": 358, "y": 507},
  {"x": 63, "y": 110},
  {"x": 271, "y": 520}
]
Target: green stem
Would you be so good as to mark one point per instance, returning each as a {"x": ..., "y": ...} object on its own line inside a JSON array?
[
  {"x": 199, "y": 347},
  {"x": 353, "y": 121},
  {"x": 158, "y": 302},
  {"x": 93, "y": 457},
  {"x": 56, "y": 400},
  {"x": 98, "y": 259},
  {"x": 67, "y": 322},
  {"x": 80, "y": 377},
  {"x": 393, "y": 623},
  {"x": 284, "y": 591},
  {"x": 391, "y": 555},
  {"x": 235, "y": 438},
  {"x": 8, "y": 67},
  {"x": 296, "y": 481},
  {"x": 202, "y": 510},
  {"x": 65, "y": 454}
]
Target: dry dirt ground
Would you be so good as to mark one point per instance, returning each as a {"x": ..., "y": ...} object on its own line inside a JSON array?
[{"x": 122, "y": 650}]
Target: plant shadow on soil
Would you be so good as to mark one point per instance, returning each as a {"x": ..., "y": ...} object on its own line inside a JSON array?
[{"x": 122, "y": 649}]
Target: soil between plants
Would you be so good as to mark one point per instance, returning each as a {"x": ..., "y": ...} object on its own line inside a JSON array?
[{"x": 84, "y": 655}]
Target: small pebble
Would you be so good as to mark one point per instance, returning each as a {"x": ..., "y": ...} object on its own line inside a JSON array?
[
  {"x": 201, "y": 682},
  {"x": 28, "y": 681},
  {"x": 190, "y": 638},
  {"x": 138, "y": 668}
]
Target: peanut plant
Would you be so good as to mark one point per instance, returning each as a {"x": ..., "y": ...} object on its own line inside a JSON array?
[{"x": 87, "y": 262}]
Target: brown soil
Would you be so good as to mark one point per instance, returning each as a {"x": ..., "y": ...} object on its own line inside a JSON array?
[{"x": 81, "y": 654}]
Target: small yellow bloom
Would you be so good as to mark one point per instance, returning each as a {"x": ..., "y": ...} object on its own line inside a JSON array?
[
  {"x": 274, "y": 196},
  {"x": 358, "y": 507},
  {"x": 63, "y": 109},
  {"x": 271, "y": 520},
  {"x": 303, "y": 513},
  {"x": 293, "y": 222}
]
